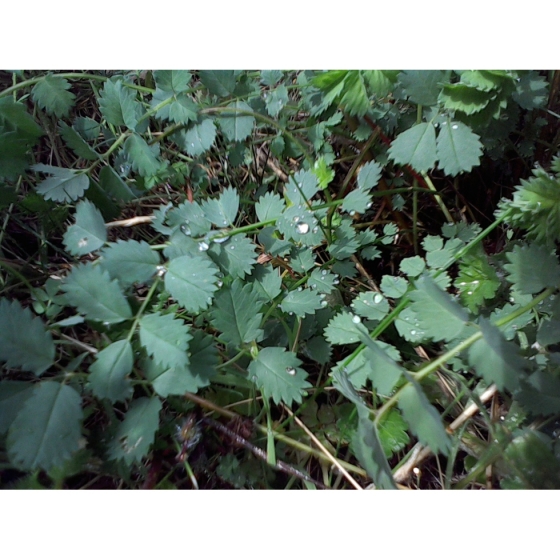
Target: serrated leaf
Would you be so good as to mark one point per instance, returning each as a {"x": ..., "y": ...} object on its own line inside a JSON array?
[
  {"x": 344, "y": 328},
  {"x": 423, "y": 86},
  {"x": 415, "y": 147},
  {"x": 323, "y": 172},
  {"x": 218, "y": 82},
  {"x": 301, "y": 259},
  {"x": 321, "y": 280},
  {"x": 300, "y": 225},
  {"x": 165, "y": 339},
  {"x": 540, "y": 394},
  {"x": 382, "y": 369},
  {"x": 192, "y": 282},
  {"x": 393, "y": 434},
  {"x": 423, "y": 418},
  {"x": 412, "y": 266},
  {"x": 301, "y": 303},
  {"x": 14, "y": 159},
  {"x": 371, "y": 305},
  {"x": 458, "y": 148},
  {"x": 318, "y": 349},
  {"x": 200, "y": 137},
  {"x": 135, "y": 434},
  {"x": 88, "y": 233},
  {"x": 75, "y": 142},
  {"x": 495, "y": 359},
  {"x": 191, "y": 216},
  {"x": 108, "y": 373},
  {"x": 481, "y": 80},
  {"x": 114, "y": 186},
  {"x": 130, "y": 261},
  {"x": 532, "y": 268},
  {"x": 273, "y": 242},
  {"x": 118, "y": 105},
  {"x": 393, "y": 286},
  {"x": 301, "y": 187},
  {"x": 175, "y": 81},
  {"x": 235, "y": 312},
  {"x": 369, "y": 175},
  {"x": 47, "y": 429},
  {"x": 279, "y": 376},
  {"x": 356, "y": 201},
  {"x": 15, "y": 114},
  {"x": 223, "y": 210},
  {"x": 65, "y": 185},
  {"x": 408, "y": 326},
  {"x": 144, "y": 158},
  {"x": 183, "y": 110},
  {"x": 381, "y": 81},
  {"x": 439, "y": 316},
  {"x": 51, "y": 93},
  {"x": 464, "y": 98},
  {"x": 235, "y": 125},
  {"x": 13, "y": 395},
  {"x": 269, "y": 207},
  {"x": 236, "y": 257},
  {"x": 268, "y": 281},
  {"x": 531, "y": 91},
  {"x": 271, "y": 77},
  {"x": 276, "y": 100},
  {"x": 91, "y": 290},
  {"x": 24, "y": 341}
]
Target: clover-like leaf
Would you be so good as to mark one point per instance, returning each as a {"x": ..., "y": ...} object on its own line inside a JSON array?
[
  {"x": 279, "y": 376},
  {"x": 88, "y": 233}
]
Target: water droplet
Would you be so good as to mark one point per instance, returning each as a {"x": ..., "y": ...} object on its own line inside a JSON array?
[
  {"x": 356, "y": 319},
  {"x": 412, "y": 332},
  {"x": 313, "y": 286},
  {"x": 232, "y": 247},
  {"x": 324, "y": 303},
  {"x": 185, "y": 229},
  {"x": 295, "y": 219},
  {"x": 254, "y": 379},
  {"x": 369, "y": 205},
  {"x": 377, "y": 298},
  {"x": 290, "y": 371},
  {"x": 323, "y": 272},
  {"x": 192, "y": 144},
  {"x": 352, "y": 212},
  {"x": 299, "y": 289},
  {"x": 160, "y": 270},
  {"x": 83, "y": 242},
  {"x": 219, "y": 283},
  {"x": 336, "y": 281},
  {"x": 290, "y": 313},
  {"x": 302, "y": 228},
  {"x": 315, "y": 229},
  {"x": 203, "y": 246},
  {"x": 221, "y": 239},
  {"x": 469, "y": 293},
  {"x": 455, "y": 127},
  {"x": 208, "y": 300}
]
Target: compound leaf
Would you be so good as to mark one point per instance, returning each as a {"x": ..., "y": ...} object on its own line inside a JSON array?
[
  {"x": 47, "y": 430},
  {"x": 458, "y": 148},
  {"x": 24, "y": 341},
  {"x": 130, "y": 261},
  {"x": 236, "y": 313},
  {"x": 416, "y": 147},
  {"x": 65, "y": 185},
  {"x": 144, "y": 158},
  {"x": 344, "y": 328},
  {"x": 74, "y": 141},
  {"x": 218, "y": 82},
  {"x": 371, "y": 305},
  {"x": 278, "y": 374},
  {"x": 88, "y": 233},
  {"x": 118, "y": 105},
  {"x": 269, "y": 207},
  {"x": 533, "y": 268},
  {"x": 369, "y": 175},
  {"x": 175, "y": 81},
  {"x": 200, "y": 137},
  {"x": 423, "y": 86},
  {"x": 236, "y": 257},
  {"x": 423, "y": 418},
  {"x": 192, "y": 281},
  {"x": 301, "y": 302},
  {"x": 235, "y": 125},
  {"x": 439, "y": 317},
  {"x": 108, "y": 373},
  {"x": 51, "y": 93},
  {"x": 91, "y": 290},
  {"x": 166, "y": 339},
  {"x": 223, "y": 210},
  {"x": 136, "y": 433}
]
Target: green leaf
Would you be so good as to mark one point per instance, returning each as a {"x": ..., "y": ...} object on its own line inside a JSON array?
[
  {"x": 416, "y": 147},
  {"x": 87, "y": 128},
  {"x": 439, "y": 316},
  {"x": 183, "y": 110},
  {"x": 393, "y": 286},
  {"x": 321, "y": 280},
  {"x": 222, "y": 211},
  {"x": 540, "y": 394},
  {"x": 13, "y": 395},
  {"x": 235, "y": 312},
  {"x": 95, "y": 295},
  {"x": 88, "y": 233},
  {"x": 344, "y": 328},
  {"x": 371, "y": 305},
  {"x": 24, "y": 341},
  {"x": 108, "y": 373},
  {"x": 354, "y": 96},
  {"x": 423, "y": 86},
  {"x": 51, "y": 93},
  {"x": 495, "y": 359},
  {"x": 323, "y": 172},
  {"x": 531, "y": 91},
  {"x": 47, "y": 430},
  {"x": 408, "y": 326},
  {"x": 75, "y": 142},
  {"x": 219, "y": 82},
  {"x": 114, "y": 186},
  {"x": 533, "y": 268},
  {"x": 200, "y": 138},
  {"x": 464, "y": 98},
  {"x": 192, "y": 282},
  {"x": 276, "y": 100},
  {"x": 423, "y": 418},
  {"x": 190, "y": 216},
  {"x": 458, "y": 148},
  {"x": 279, "y": 376},
  {"x": 235, "y": 125},
  {"x": 481, "y": 80},
  {"x": 301, "y": 187},
  {"x": 236, "y": 257},
  {"x": 268, "y": 281},
  {"x": 65, "y": 185},
  {"x": 14, "y": 159},
  {"x": 393, "y": 433},
  {"x": 301, "y": 302},
  {"x": 175, "y": 81},
  {"x": 300, "y": 225},
  {"x": 144, "y": 158},
  {"x": 381, "y": 81},
  {"x": 166, "y": 339},
  {"x": 412, "y": 266},
  {"x": 271, "y": 77},
  {"x": 118, "y": 105},
  {"x": 269, "y": 207},
  {"x": 356, "y": 201},
  {"x": 383, "y": 370},
  {"x": 130, "y": 261},
  {"x": 136, "y": 433},
  {"x": 16, "y": 116},
  {"x": 369, "y": 175}
]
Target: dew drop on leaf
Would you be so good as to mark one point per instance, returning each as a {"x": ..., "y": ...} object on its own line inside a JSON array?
[
  {"x": 323, "y": 272},
  {"x": 186, "y": 229},
  {"x": 299, "y": 289},
  {"x": 352, "y": 212},
  {"x": 290, "y": 371},
  {"x": 231, "y": 247},
  {"x": 378, "y": 298},
  {"x": 221, "y": 239},
  {"x": 82, "y": 242},
  {"x": 203, "y": 246},
  {"x": 356, "y": 319},
  {"x": 302, "y": 228},
  {"x": 324, "y": 303},
  {"x": 369, "y": 205}
]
